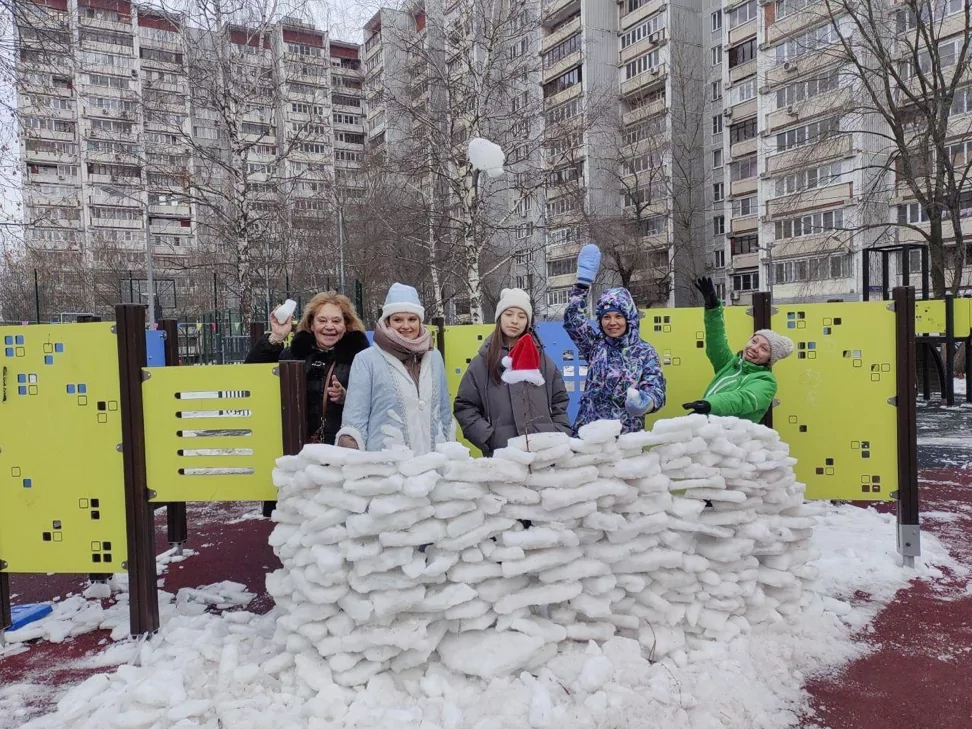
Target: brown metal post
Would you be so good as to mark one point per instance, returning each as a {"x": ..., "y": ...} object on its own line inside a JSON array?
[
  {"x": 439, "y": 323},
  {"x": 763, "y": 319},
  {"x": 257, "y": 330},
  {"x": 176, "y": 522},
  {"x": 293, "y": 405},
  {"x": 140, "y": 522},
  {"x": 5, "y": 620},
  {"x": 293, "y": 412},
  {"x": 909, "y": 535}
]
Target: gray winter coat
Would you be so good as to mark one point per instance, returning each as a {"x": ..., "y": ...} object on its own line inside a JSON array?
[{"x": 491, "y": 413}]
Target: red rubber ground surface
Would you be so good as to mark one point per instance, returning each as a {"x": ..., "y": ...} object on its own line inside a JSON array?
[{"x": 919, "y": 675}]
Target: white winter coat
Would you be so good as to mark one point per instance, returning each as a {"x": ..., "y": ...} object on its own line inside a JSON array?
[{"x": 383, "y": 407}]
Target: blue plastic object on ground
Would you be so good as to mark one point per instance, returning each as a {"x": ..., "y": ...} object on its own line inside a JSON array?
[{"x": 22, "y": 615}]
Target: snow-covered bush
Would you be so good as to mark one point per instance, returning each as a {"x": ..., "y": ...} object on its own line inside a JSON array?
[{"x": 692, "y": 532}]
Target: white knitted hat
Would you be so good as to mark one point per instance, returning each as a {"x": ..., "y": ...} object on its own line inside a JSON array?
[
  {"x": 780, "y": 347},
  {"x": 402, "y": 299},
  {"x": 514, "y": 298}
]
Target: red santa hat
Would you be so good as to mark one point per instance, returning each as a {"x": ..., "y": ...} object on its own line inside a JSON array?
[{"x": 523, "y": 364}]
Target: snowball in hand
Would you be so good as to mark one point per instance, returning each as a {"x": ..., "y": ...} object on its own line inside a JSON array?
[
  {"x": 486, "y": 156},
  {"x": 285, "y": 311}
]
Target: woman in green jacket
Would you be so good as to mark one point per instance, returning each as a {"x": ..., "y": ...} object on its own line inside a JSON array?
[{"x": 744, "y": 385}]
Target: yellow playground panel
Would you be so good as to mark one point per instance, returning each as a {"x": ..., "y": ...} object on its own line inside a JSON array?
[
  {"x": 212, "y": 433},
  {"x": 836, "y": 398},
  {"x": 930, "y": 317},
  {"x": 678, "y": 335},
  {"x": 62, "y": 504},
  {"x": 462, "y": 345}
]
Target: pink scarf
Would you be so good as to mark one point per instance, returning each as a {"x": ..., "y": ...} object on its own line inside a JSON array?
[{"x": 409, "y": 351}]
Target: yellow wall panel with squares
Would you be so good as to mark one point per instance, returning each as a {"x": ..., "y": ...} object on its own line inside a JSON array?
[
  {"x": 678, "y": 335},
  {"x": 62, "y": 494},
  {"x": 835, "y": 407},
  {"x": 212, "y": 433},
  {"x": 462, "y": 344}
]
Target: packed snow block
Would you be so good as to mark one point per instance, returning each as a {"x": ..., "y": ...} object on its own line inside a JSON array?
[{"x": 691, "y": 532}]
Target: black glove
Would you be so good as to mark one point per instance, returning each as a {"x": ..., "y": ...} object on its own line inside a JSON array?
[
  {"x": 699, "y": 406},
  {"x": 707, "y": 289}
]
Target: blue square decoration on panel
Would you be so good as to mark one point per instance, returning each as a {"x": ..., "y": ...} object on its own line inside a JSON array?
[{"x": 48, "y": 359}]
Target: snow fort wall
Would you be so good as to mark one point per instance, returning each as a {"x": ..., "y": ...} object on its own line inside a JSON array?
[{"x": 691, "y": 532}]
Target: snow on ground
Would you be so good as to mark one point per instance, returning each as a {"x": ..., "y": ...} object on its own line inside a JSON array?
[{"x": 212, "y": 670}]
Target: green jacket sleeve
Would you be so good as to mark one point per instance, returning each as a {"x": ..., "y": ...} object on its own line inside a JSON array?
[
  {"x": 716, "y": 345},
  {"x": 754, "y": 396}
]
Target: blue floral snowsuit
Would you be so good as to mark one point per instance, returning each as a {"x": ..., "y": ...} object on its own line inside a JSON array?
[{"x": 613, "y": 364}]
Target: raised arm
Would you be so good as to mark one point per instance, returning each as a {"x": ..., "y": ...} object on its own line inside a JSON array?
[
  {"x": 580, "y": 330},
  {"x": 716, "y": 344}
]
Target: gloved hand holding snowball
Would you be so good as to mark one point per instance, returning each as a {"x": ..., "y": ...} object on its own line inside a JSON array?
[
  {"x": 588, "y": 264},
  {"x": 638, "y": 403}
]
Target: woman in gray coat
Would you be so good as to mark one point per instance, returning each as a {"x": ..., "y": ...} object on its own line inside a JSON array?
[{"x": 490, "y": 411}]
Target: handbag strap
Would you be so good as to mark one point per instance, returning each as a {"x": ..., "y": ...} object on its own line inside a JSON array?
[{"x": 327, "y": 381}]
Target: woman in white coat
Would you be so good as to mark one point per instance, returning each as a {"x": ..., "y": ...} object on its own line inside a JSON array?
[{"x": 397, "y": 391}]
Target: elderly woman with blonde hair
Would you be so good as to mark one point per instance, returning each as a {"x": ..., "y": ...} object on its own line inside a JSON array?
[{"x": 329, "y": 336}]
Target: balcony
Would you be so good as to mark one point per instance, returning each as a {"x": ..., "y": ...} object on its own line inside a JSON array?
[
  {"x": 657, "y": 106},
  {"x": 555, "y": 11},
  {"x": 641, "y": 13},
  {"x": 804, "y": 19},
  {"x": 745, "y": 260},
  {"x": 741, "y": 188},
  {"x": 813, "y": 244},
  {"x": 562, "y": 34},
  {"x": 563, "y": 96},
  {"x": 785, "y": 72},
  {"x": 652, "y": 77},
  {"x": 743, "y": 148},
  {"x": 742, "y": 32},
  {"x": 562, "y": 66},
  {"x": 828, "y": 197},
  {"x": 644, "y": 45},
  {"x": 810, "y": 154},
  {"x": 743, "y": 70},
  {"x": 740, "y": 226},
  {"x": 839, "y": 99}
]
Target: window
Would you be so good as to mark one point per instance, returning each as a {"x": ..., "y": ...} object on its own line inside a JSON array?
[
  {"x": 715, "y": 90},
  {"x": 562, "y": 266},
  {"x": 716, "y": 159},
  {"x": 560, "y": 51},
  {"x": 744, "y": 244},
  {"x": 716, "y": 55},
  {"x": 788, "y": 7},
  {"x": 806, "y": 43},
  {"x": 717, "y": 124},
  {"x": 912, "y": 213},
  {"x": 742, "y": 131},
  {"x": 745, "y": 206},
  {"x": 742, "y": 14},
  {"x": 809, "y": 179},
  {"x": 633, "y": 5},
  {"x": 743, "y": 53},
  {"x": 743, "y": 91},
  {"x": 51, "y": 125},
  {"x": 342, "y": 100},
  {"x": 807, "y": 89},
  {"x": 562, "y": 82},
  {"x": 96, "y": 35},
  {"x": 643, "y": 30},
  {"x": 558, "y": 297},
  {"x": 115, "y": 213},
  {"x": 340, "y": 118},
  {"x": 518, "y": 49},
  {"x": 817, "y": 268},
  {"x": 157, "y": 54},
  {"x": 716, "y": 20},
  {"x": 719, "y": 259},
  {"x": 108, "y": 82},
  {"x": 718, "y": 192},
  {"x": 807, "y": 134},
  {"x": 641, "y": 64},
  {"x": 561, "y": 205},
  {"x": 644, "y": 130},
  {"x": 743, "y": 169},
  {"x": 563, "y": 112},
  {"x": 718, "y": 225},
  {"x": 962, "y": 101},
  {"x": 946, "y": 57},
  {"x": 745, "y": 281},
  {"x": 655, "y": 225},
  {"x": 809, "y": 224}
]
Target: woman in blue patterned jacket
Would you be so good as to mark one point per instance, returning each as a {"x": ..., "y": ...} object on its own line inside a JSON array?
[{"x": 624, "y": 377}]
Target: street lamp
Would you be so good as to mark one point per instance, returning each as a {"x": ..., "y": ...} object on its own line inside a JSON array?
[{"x": 149, "y": 273}]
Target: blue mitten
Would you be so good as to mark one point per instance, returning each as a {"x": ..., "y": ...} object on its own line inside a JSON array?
[
  {"x": 588, "y": 263},
  {"x": 637, "y": 402}
]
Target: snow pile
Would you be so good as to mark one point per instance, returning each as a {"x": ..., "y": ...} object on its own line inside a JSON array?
[{"x": 690, "y": 533}]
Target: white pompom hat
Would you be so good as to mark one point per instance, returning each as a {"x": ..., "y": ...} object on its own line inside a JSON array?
[{"x": 402, "y": 299}]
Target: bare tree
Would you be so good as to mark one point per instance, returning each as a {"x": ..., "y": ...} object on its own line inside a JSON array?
[{"x": 906, "y": 65}]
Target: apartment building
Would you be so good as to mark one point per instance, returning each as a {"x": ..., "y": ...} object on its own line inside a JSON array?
[{"x": 124, "y": 127}]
